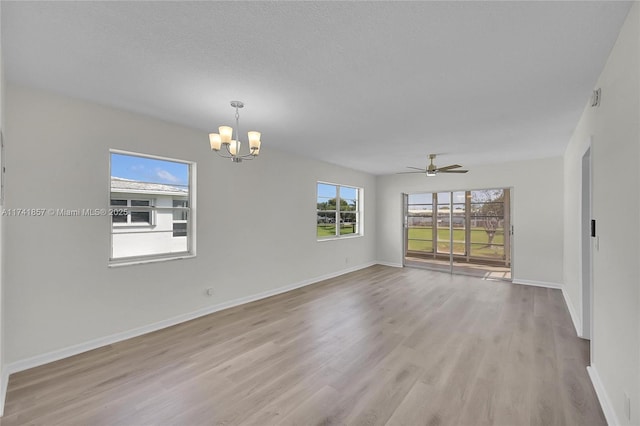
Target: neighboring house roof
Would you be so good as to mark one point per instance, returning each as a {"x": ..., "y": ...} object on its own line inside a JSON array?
[{"x": 137, "y": 187}]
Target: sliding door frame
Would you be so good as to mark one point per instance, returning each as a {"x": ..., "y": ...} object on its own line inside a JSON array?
[{"x": 508, "y": 246}]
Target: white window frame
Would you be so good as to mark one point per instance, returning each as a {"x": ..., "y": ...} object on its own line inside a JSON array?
[
  {"x": 180, "y": 208},
  {"x": 191, "y": 222},
  {"x": 130, "y": 209},
  {"x": 359, "y": 212}
]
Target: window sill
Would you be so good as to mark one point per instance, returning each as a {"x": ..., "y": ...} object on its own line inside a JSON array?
[
  {"x": 344, "y": 237},
  {"x": 128, "y": 261}
]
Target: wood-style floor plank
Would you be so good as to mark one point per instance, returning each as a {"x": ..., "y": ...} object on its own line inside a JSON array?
[{"x": 380, "y": 346}]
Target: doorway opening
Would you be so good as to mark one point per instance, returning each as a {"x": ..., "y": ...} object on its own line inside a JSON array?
[
  {"x": 586, "y": 236},
  {"x": 465, "y": 232}
]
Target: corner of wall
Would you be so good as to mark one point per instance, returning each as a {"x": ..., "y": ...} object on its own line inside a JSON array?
[
  {"x": 603, "y": 397},
  {"x": 391, "y": 264},
  {"x": 535, "y": 283},
  {"x": 4, "y": 382},
  {"x": 575, "y": 319},
  {"x": 4, "y": 376}
]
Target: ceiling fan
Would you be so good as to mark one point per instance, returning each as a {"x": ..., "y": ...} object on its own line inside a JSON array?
[{"x": 432, "y": 170}]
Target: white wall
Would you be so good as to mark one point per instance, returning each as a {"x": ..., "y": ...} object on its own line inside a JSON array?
[
  {"x": 3, "y": 376},
  {"x": 615, "y": 131},
  {"x": 256, "y": 225},
  {"x": 536, "y": 212},
  {"x": 572, "y": 270}
]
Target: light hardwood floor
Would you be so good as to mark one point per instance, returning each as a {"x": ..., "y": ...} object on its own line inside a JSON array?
[{"x": 379, "y": 346}]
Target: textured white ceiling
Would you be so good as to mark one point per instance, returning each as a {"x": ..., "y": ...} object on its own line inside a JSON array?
[{"x": 375, "y": 86}]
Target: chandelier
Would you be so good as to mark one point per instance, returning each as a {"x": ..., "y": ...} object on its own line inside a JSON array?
[{"x": 231, "y": 147}]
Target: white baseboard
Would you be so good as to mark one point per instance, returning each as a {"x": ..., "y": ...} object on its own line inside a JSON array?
[
  {"x": 603, "y": 397},
  {"x": 575, "y": 319},
  {"x": 577, "y": 323},
  {"x": 59, "y": 354},
  {"x": 394, "y": 265},
  {"x": 4, "y": 376},
  {"x": 537, "y": 283}
]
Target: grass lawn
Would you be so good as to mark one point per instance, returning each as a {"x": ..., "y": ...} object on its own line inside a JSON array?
[
  {"x": 329, "y": 230},
  {"x": 419, "y": 241}
]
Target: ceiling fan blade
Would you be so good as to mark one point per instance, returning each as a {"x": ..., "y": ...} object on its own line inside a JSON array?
[
  {"x": 452, "y": 171},
  {"x": 453, "y": 166},
  {"x": 416, "y": 168},
  {"x": 404, "y": 173}
]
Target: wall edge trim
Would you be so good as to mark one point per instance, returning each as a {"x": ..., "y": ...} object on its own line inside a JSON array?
[
  {"x": 3, "y": 390},
  {"x": 603, "y": 396},
  {"x": 58, "y": 354},
  {"x": 534, "y": 283},
  {"x": 391, "y": 264},
  {"x": 575, "y": 319}
]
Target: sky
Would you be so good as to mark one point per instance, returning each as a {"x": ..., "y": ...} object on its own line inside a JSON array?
[
  {"x": 149, "y": 169},
  {"x": 327, "y": 191}
]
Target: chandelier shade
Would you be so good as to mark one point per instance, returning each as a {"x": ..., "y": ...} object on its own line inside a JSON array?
[
  {"x": 215, "y": 141},
  {"x": 234, "y": 147},
  {"x": 254, "y": 140},
  {"x": 226, "y": 133},
  {"x": 223, "y": 140}
]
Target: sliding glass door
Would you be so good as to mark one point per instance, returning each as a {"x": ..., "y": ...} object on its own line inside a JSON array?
[
  {"x": 459, "y": 231},
  {"x": 419, "y": 225}
]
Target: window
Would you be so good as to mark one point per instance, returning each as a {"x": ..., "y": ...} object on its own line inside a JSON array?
[
  {"x": 420, "y": 221},
  {"x": 180, "y": 214},
  {"x": 126, "y": 212},
  {"x": 151, "y": 207},
  {"x": 338, "y": 211}
]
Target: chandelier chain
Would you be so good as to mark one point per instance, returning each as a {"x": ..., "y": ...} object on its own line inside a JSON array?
[{"x": 237, "y": 124}]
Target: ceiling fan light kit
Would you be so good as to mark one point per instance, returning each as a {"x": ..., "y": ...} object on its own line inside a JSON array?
[{"x": 432, "y": 170}]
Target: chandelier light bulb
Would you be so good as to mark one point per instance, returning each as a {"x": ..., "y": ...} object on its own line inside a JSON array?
[{"x": 232, "y": 146}]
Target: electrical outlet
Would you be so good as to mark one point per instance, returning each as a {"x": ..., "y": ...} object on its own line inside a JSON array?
[{"x": 210, "y": 292}]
